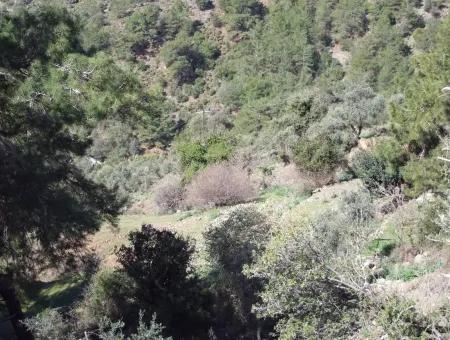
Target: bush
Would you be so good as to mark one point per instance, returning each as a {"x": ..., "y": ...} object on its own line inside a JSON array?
[
  {"x": 317, "y": 154},
  {"x": 233, "y": 241},
  {"x": 49, "y": 325},
  {"x": 168, "y": 194},
  {"x": 187, "y": 57},
  {"x": 197, "y": 155},
  {"x": 132, "y": 176},
  {"x": 424, "y": 174},
  {"x": 52, "y": 325},
  {"x": 108, "y": 295},
  {"x": 159, "y": 261},
  {"x": 114, "y": 140},
  {"x": 219, "y": 185},
  {"x": 370, "y": 170}
]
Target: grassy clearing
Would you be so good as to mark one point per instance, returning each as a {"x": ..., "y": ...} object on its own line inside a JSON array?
[
  {"x": 189, "y": 224},
  {"x": 38, "y": 296}
]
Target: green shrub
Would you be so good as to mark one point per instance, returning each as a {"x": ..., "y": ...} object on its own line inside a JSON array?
[
  {"x": 382, "y": 246},
  {"x": 143, "y": 28},
  {"x": 187, "y": 57},
  {"x": 53, "y": 325},
  {"x": 121, "y": 8},
  {"x": 310, "y": 272},
  {"x": 175, "y": 20},
  {"x": 350, "y": 18},
  {"x": 344, "y": 175},
  {"x": 233, "y": 241},
  {"x": 399, "y": 318},
  {"x": 110, "y": 294},
  {"x": 424, "y": 174},
  {"x": 371, "y": 170},
  {"x": 196, "y": 155},
  {"x": 50, "y": 325},
  {"x": 132, "y": 176},
  {"x": 242, "y": 14},
  {"x": 317, "y": 155}
]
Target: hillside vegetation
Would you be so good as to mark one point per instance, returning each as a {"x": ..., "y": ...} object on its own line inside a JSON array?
[{"x": 224, "y": 169}]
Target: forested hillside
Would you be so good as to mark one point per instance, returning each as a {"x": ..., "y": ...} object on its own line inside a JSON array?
[{"x": 224, "y": 169}]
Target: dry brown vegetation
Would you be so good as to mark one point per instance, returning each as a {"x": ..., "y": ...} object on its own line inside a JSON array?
[
  {"x": 219, "y": 185},
  {"x": 168, "y": 194}
]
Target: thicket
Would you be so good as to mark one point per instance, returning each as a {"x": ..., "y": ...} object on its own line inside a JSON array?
[{"x": 82, "y": 106}]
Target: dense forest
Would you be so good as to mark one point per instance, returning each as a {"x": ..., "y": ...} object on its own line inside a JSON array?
[{"x": 224, "y": 169}]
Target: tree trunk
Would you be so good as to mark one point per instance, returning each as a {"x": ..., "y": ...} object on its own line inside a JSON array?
[{"x": 8, "y": 293}]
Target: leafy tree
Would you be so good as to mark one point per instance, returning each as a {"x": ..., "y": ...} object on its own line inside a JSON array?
[
  {"x": 187, "y": 57},
  {"x": 160, "y": 264},
  {"x": 312, "y": 287},
  {"x": 421, "y": 119},
  {"x": 359, "y": 108},
  {"x": 47, "y": 205},
  {"x": 145, "y": 28},
  {"x": 232, "y": 242},
  {"x": 44, "y": 32},
  {"x": 96, "y": 88},
  {"x": 350, "y": 18}
]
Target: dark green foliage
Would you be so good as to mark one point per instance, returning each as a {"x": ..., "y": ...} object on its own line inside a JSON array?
[
  {"x": 187, "y": 58},
  {"x": 204, "y": 4},
  {"x": 350, "y": 18},
  {"x": 425, "y": 174},
  {"x": 232, "y": 242},
  {"x": 372, "y": 171},
  {"x": 370, "y": 55},
  {"x": 160, "y": 264},
  {"x": 145, "y": 28},
  {"x": 96, "y": 88},
  {"x": 278, "y": 55},
  {"x": 94, "y": 33},
  {"x": 317, "y": 155},
  {"x": 242, "y": 14},
  {"x": 175, "y": 20},
  {"x": 45, "y": 33},
  {"x": 42, "y": 191},
  {"x": 420, "y": 120}
]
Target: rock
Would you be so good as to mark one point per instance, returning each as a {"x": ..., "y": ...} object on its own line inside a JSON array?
[{"x": 419, "y": 259}]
